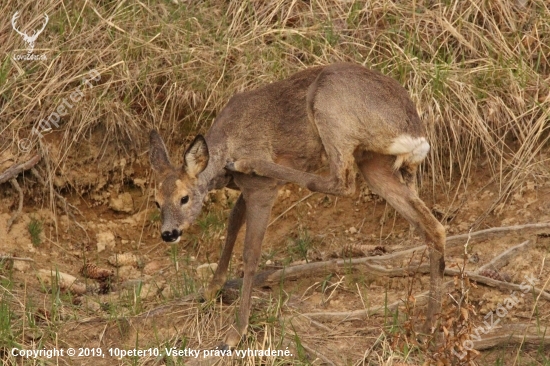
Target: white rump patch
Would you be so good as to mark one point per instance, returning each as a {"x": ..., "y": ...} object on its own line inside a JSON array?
[{"x": 408, "y": 149}]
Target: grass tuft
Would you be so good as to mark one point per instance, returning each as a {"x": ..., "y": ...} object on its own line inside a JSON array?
[{"x": 35, "y": 230}]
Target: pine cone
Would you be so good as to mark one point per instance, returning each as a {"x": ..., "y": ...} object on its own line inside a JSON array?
[
  {"x": 378, "y": 250},
  {"x": 105, "y": 287},
  {"x": 92, "y": 271}
]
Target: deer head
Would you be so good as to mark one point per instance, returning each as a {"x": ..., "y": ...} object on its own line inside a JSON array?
[
  {"x": 29, "y": 39},
  {"x": 179, "y": 196}
]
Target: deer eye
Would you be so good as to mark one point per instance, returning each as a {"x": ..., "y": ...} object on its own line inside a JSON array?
[
  {"x": 184, "y": 200},
  {"x": 158, "y": 206}
]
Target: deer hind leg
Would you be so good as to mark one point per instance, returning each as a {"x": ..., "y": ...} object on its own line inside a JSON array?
[
  {"x": 340, "y": 181},
  {"x": 259, "y": 202},
  {"x": 397, "y": 188},
  {"x": 236, "y": 221}
]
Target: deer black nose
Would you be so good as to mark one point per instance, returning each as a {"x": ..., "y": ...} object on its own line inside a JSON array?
[{"x": 170, "y": 236}]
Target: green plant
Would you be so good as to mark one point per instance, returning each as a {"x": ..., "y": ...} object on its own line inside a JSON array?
[
  {"x": 300, "y": 245},
  {"x": 154, "y": 217},
  {"x": 7, "y": 331},
  {"x": 211, "y": 222},
  {"x": 35, "y": 230}
]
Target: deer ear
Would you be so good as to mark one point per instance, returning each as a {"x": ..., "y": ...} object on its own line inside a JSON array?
[
  {"x": 158, "y": 155},
  {"x": 196, "y": 157}
]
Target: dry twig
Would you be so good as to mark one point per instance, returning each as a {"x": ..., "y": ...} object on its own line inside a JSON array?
[
  {"x": 290, "y": 208},
  {"x": 514, "y": 334},
  {"x": 10, "y": 175},
  {"x": 24, "y": 259},
  {"x": 14, "y": 170},
  {"x": 501, "y": 260}
]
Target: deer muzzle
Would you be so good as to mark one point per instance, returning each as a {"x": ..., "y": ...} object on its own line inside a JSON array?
[{"x": 173, "y": 236}]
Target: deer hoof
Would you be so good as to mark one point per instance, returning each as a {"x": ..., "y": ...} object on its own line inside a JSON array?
[
  {"x": 210, "y": 293},
  {"x": 223, "y": 347},
  {"x": 233, "y": 339}
]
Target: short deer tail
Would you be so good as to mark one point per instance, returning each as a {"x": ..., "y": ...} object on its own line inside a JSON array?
[{"x": 408, "y": 150}]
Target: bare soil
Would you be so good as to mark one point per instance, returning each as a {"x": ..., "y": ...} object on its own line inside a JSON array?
[{"x": 319, "y": 228}]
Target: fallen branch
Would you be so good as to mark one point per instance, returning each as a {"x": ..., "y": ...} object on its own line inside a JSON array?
[
  {"x": 514, "y": 334},
  {"x": 10, "y": 175},
  {"x": 482, "y": 234},
  {"x": 501, "y": 260},
  {"x": 268, "y": 278},
  {"x": 318, "y": 354},
  {"x": 14, "y": 170},
  {"x": 501, "y": 285},
  {"x": 457, "y": 240},
  {"x": 421, "y": 298},
  {"x": 23, "y": 259}
]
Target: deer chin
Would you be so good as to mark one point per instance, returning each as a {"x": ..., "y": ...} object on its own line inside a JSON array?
[{"x": 175, "y": 241}]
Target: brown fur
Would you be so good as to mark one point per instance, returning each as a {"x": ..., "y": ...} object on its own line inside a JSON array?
[{"x": 282, "y": 132}]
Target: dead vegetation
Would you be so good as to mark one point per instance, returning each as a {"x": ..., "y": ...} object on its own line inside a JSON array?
[{"x": 478, "y": 72}]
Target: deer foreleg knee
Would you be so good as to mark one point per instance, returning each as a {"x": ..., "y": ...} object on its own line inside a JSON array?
[{"x": 245, "y": 166}]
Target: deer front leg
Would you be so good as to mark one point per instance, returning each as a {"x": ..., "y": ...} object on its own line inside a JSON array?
[
  {"x": 236, "y": 221},
  {"x": 340, "y": 182},
  {"x": 258, "y": 210}
]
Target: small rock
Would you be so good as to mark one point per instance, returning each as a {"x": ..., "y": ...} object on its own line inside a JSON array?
[
  {"x": 284, "y": 194},
  {"x": 268, "y": 262},
  {"x": 152, "y": 267},
  {"x": 64, "y": 221},
  {"x": 105, "y": 239},
  {"x": 140, "y": 183},
  {"x": 122, "y": 203},
  {"x": 167, "y": 292},
  {"x": 352, "y": 230},
  {"x": 33, "y": 334},
  {"x": 21, "y": 266},
  {"x": 91, "y": 305},
  {"x": 206, "y": 271},
  {"x": 147, "y": 291},
  {"x": 59, "y": 181},
  {"x": 128, "y": 272},
  {"x": 66, "y": 282}
]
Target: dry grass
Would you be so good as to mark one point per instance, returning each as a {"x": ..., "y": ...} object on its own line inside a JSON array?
[{"x": 478, "y": 71}]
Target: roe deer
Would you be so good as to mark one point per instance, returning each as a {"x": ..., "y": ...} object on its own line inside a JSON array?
[{"x": 281, "y": 133}]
